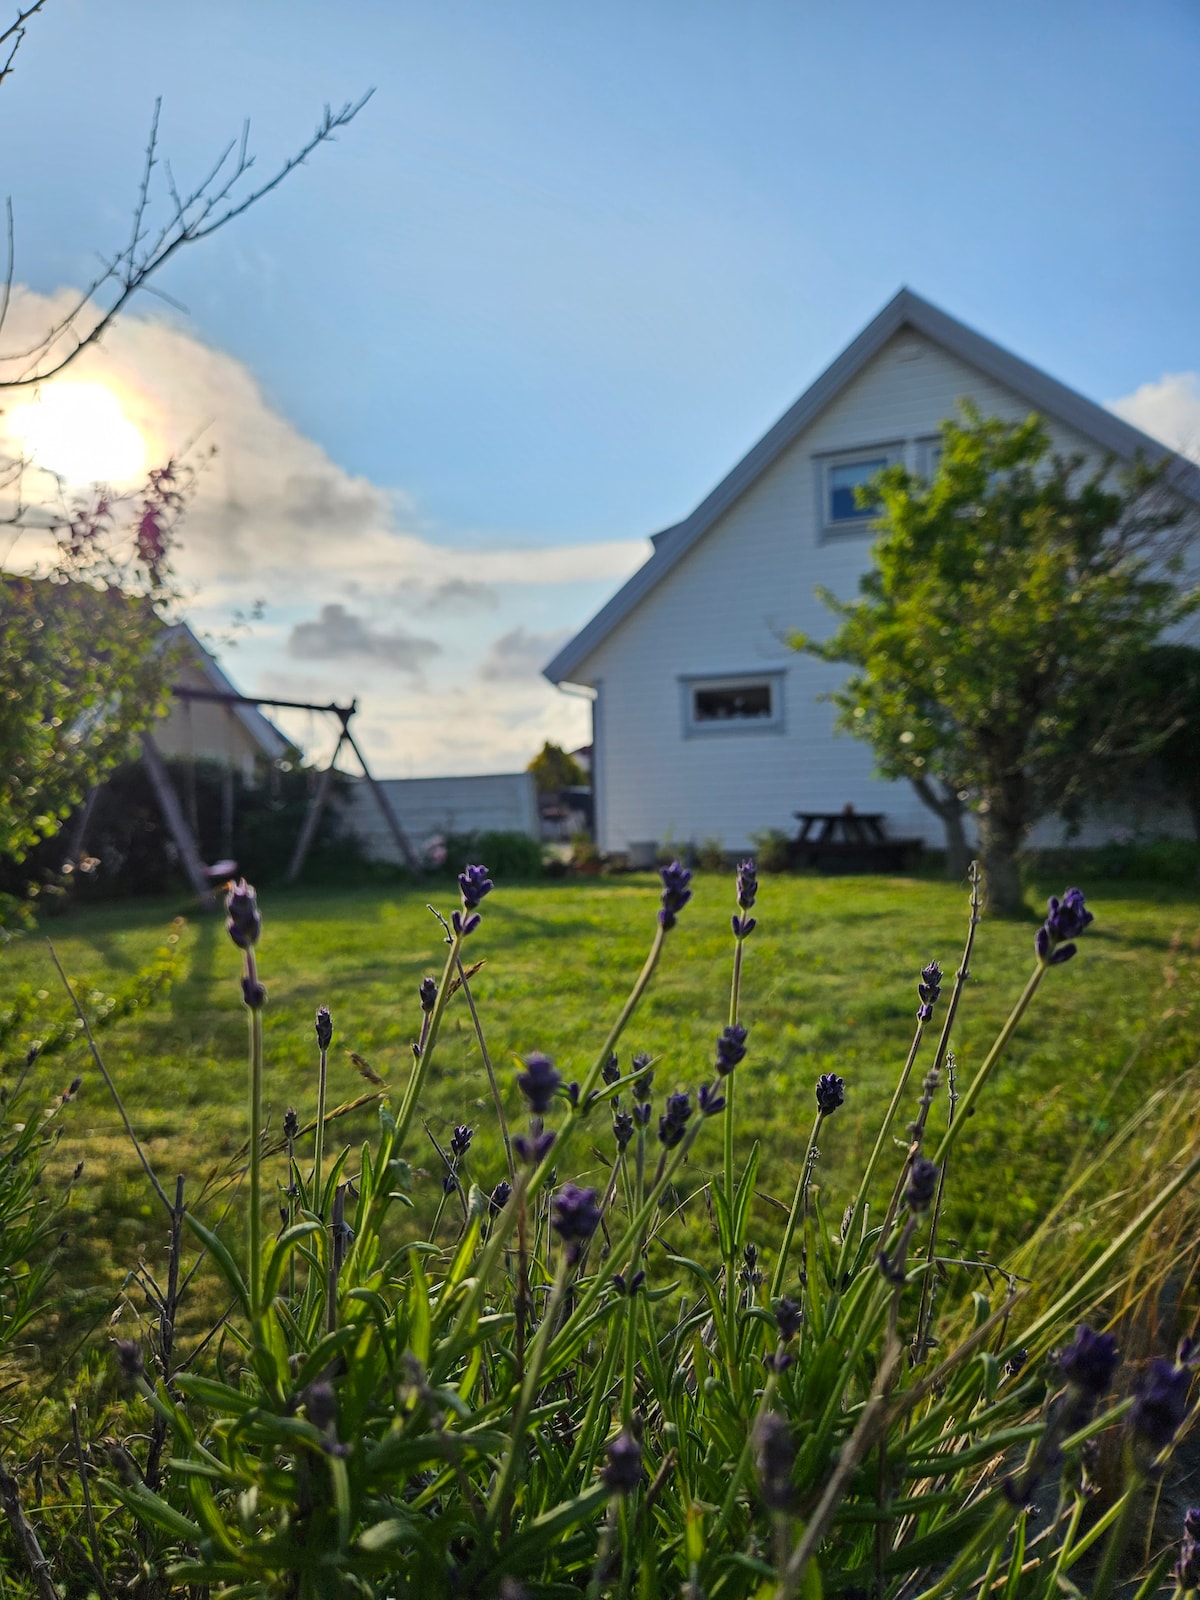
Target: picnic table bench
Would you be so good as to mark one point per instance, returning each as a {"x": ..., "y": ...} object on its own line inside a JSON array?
[{"x": 849, "y": 841}]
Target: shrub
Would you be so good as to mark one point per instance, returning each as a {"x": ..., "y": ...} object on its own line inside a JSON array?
[
  {"x": 533, "y": 1387},
  {"x": 711, "y": 855},
  {"x": 515, "y": 855},
  {"x": 772, "y": 849}
]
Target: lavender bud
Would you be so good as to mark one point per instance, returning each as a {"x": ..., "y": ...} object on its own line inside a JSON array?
[
  {"x": 673, "y": 1122},
  {"x": 243, "y": 920},
  {"x": 129, "y": 1360},
  {"x": 324, "y": 1026},
  {"x": 449, "y": 1183},
  {"x": 788, "y": 1317},
  {"x": 460, "y": 1140},
  {"x": 624, "y": 1470},
  {"x": 675, "y": 894},
  {"x": 922, "y": 1185},
  {"x": 1160, "y": 1404},
  {"x": 428, "y": 993},
  {"x": 539, "y": 1082},
  {"x": 710, "y": 1101},
  {"x": 474, "y": 884},
  {"x": 641, "y": 1114},
  {"x": 1089, "y": 1361},
  {"x": 1065, "y": 920},
  {"x": 743, "y": 927},
  {"x": 291, "y": 1123},
  {"x": 774, "y": 1461},
  {"x": 499, "y": 1197},
  {"x": 831, "y": 1093},
  {"x": 253, "y": 993},
  {"x": 576, "y": 1214},
  {"x": 464, "y": 925},
  {"x": 930, "y": 986},
  {"x": 534, "y": 1149},
  {"x": 622, "y": 1128},
  {"x": 747, "y": 884},
  {"x": 611, "y": 1070},
  {"x": 320, "y": 1402},
  {"x": 731, "y": 1048}
]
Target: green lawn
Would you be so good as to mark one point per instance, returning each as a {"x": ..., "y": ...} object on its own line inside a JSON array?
[{"x": 829, "y": 986}]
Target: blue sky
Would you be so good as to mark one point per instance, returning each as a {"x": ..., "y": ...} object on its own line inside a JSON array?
[{"x": 572, "y": 260}]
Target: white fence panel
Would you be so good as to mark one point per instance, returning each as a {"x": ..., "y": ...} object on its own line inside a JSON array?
[{"x": 499, "y": 802}]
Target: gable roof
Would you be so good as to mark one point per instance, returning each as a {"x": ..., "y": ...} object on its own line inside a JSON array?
[
  {"x": 271, "y": 744},
  {"x": 906, "y": 309}
]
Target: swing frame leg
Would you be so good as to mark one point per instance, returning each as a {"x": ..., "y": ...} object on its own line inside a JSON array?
[
  {"x": 172, "y": 813},
  {"x": 308, "y": 831}
]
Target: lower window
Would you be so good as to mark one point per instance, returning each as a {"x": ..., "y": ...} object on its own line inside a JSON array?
[{"x": 729, "y": 704}]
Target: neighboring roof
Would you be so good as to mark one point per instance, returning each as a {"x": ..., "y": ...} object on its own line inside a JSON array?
[
  {"x": 906, "y": 309},
  {"x": 274, "y": 745}
]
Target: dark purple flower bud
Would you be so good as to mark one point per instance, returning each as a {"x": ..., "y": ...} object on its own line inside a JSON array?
[
  {"x": 636, "y": 1282},
  {"x": 573, "y": 1093},
  {"x": 641, "y": 1114},
  {"x": 243, "y": 921},
  {"x": 930, "y": 986},
  {"x": 788, "y": 1316},
  {"x": 449, "y": 1183},
  {"x": 743, "y": 927},
  {"x": 611, "y": 1070},
  {"x": 924, "y": 1013},
  {"x": 731, "y": 1048},
  {"x": 1191, "y": 1523},
  {"x": 622, "y": 1128},
  {"x": 774, "y": 1461},
  {"x": 534, "y": 1149},
  {"x": 539, "y": 1082},
  {"x": 1160, "y": 1403},
  {"x": 324, "y": 1026},
  {"x": 643, "y": 1059},
  {"x": 464, "y": 925},
  {"x": 624, "y": 1470},
  {"x": 428, "y": 993},
  {"x": 747, "y": 884},
  {"x": 499, "y": 1197},
  {"x": 475, "y": 884},
  {"x": 922, "y": 1185},
  {"x": 710, "y": 1101},
  {"x": 673, "y": 1122},
  {"x": 460, "y": 1140},
  {"x": 129, "y": 1360},
  {"x": 576, "y": 1214},
  {"x": 1187, "y": 1568},
  {"x": 831, "y": 1093},
  {"x": 676, "y": 894},
  {"x": 291, "y": 1123},
  {"x": 253, "y": 993},
  {"x": 1089, "y": 1361},
  {"x": 1065, "y": 920},
  {"x": 320, "y": 1402}
]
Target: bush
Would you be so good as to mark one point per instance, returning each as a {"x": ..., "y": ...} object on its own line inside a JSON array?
[
  {"x": 511, "y": 855},
  {"x": 772, "y": 849},
  {"x": 533, "y": 1387}
]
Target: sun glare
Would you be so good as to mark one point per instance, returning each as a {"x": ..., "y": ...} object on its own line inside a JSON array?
[{"x": 79, "y": 432}]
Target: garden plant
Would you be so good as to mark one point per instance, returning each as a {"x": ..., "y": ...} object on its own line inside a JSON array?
[{"x": 644, "y": 1387}]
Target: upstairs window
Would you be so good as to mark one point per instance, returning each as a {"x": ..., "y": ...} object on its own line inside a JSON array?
[
  {"x": 751, "y": 703},
  {"x": 841, "y": 477}
]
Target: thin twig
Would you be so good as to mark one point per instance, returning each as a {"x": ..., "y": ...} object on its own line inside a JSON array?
[
  {"x": 27, "y": 1539},
  {"x": 89, "y": 1511},
  {"x": 112, "y": 1088}
]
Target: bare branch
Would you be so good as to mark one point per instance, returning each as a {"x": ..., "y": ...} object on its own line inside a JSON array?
[{"x": 15, "y": 33}]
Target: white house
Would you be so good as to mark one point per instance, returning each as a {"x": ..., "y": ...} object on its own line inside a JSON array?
[{"x": 705, "y": 725}]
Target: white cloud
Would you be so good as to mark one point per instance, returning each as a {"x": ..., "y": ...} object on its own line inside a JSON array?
[
  {"x": 335, "y": 556},
  {"x": 519, "y": 656},
  {"x": 1168, "y": 409}
]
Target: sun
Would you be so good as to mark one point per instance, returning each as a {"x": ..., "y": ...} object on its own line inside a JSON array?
[{"x": 80, "y": 433}]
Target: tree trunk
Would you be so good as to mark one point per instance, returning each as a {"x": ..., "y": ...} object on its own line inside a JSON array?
[{"x": 949, "y": 808}]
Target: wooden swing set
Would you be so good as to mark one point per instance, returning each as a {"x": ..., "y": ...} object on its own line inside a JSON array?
[{"x": 182, "y": 829}]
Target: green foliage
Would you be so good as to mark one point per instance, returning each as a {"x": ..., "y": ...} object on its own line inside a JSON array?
[
  {"x": 554, "y": 769},
  {"x": 994, "y": 636},
  {"x": 772, "y": 849},
  {"x": 511, "y": 855},
  {"x": 403, "y": 1403}
]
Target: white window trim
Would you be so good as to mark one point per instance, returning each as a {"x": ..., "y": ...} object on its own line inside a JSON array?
[
  {"x": 732, "y": 727},
  {"x": 892, "y": 452},
  {"x": 925, "y": 449}
]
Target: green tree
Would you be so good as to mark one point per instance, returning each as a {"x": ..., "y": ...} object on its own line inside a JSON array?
[
  {"x": 553, "y": 769},
  {"x": 991, "y": 642}
]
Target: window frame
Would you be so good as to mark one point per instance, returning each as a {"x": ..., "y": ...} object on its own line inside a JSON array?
[
  {"x": 731, "y": 727},
  {"x": 891, "y": 452}
]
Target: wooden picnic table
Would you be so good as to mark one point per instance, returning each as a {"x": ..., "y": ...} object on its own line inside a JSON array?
[{"x": 849, "y": 841}]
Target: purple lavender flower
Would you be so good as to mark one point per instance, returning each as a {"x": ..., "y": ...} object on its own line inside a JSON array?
[
  {"x": 731, "y": 1048},
  {"x": 774, "y": 1461},
  {"x": 624, "y": 1470},
  {"x": 747, "y": 884},
  {"x": 672, "y": 1124},
  {"x": 1187, "y": 1568},
  {"x": 1160, "y": 1404},
  {"x": 788, "y": 1317},
  {"x": 611, "y": 1070},
  {"x": 1089, "y": 1361},
  {"x": 499, "y": 1197},
  {"x": 641, "y": 1113},
  {"x": 630, "y": 1288},
  {"x": 576, "y": 1214},
  {"x": 243, "y": 919},
  {"x": 929, "y": 988},
  {"x": 922, "y": 1185},
  {"x": 129, "y": 1360},
  {"x": 428, "y": 993},
  {"x": 676, "y": 894},
  {"x": 460, "y": 1141},
  {"x": 449, "y": 1183},
  {"x": 464, "y": 925},
  {"x": 1191, "y": 1523},
  {"x": 320, "y": 1402},
  {"x": 324, "y": 1026},
  {"x": 539, "y": 1082},
  {"x": 710, "y": 1101},
  {"x": 1065, "y": 921},
  {"x": 831, "y": 1093},
  {"x": 291, "y": 1123},
  {"x": 253, "y": 993},
  {"x": 622, "y": 1128},
  {"x": 534, "y": 1149},
  {"x": 474, "y": 884}
]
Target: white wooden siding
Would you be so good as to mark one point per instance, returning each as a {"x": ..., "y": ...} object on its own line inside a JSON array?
[
  {"x": 503, "y": 802},
  {"x": 727, "y": 607}
]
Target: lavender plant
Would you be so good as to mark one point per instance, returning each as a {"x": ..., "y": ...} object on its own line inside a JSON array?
[{"x": 555, "y": 1400}]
